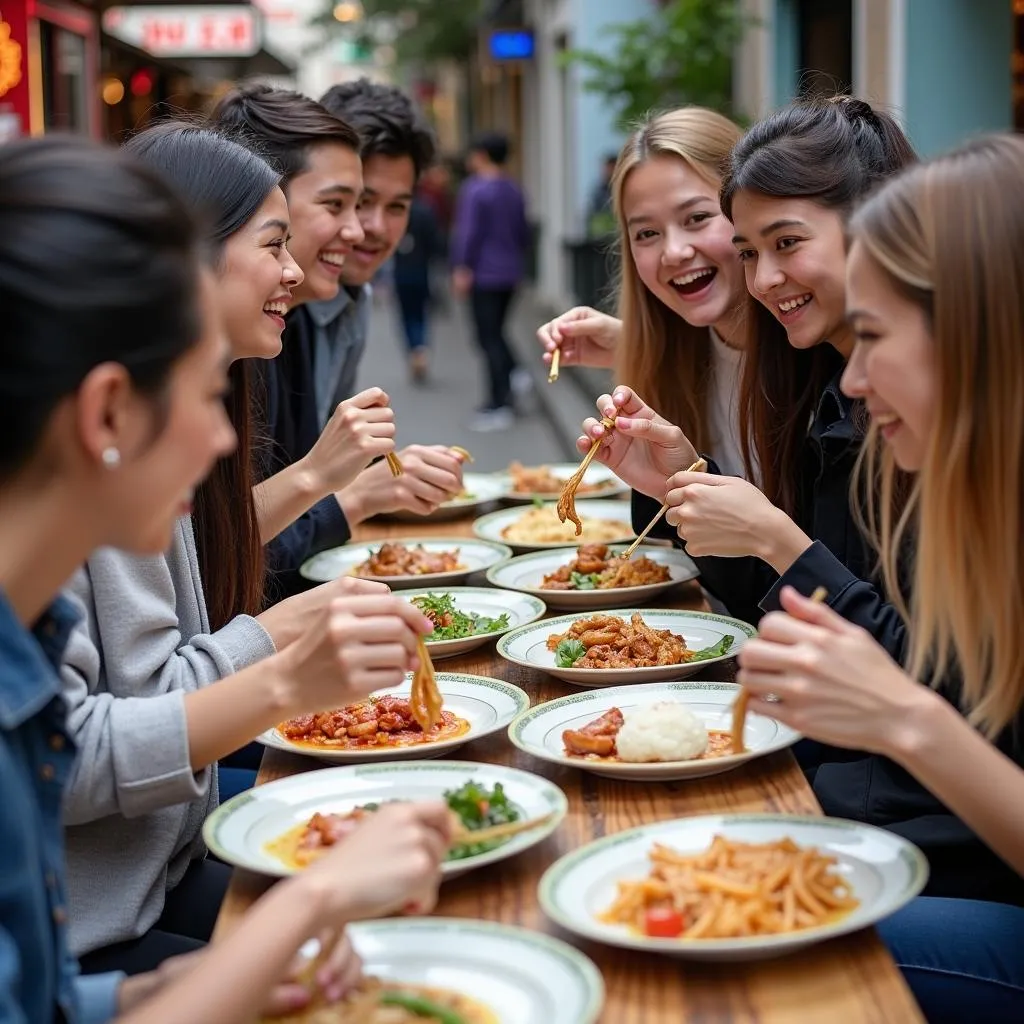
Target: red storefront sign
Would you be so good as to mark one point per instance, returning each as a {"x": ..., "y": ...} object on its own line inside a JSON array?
[{"x": 14, "y": 75}]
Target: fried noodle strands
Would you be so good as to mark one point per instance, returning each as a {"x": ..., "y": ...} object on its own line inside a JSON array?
[
  {"x": 425, "y": 698},
  {"x": 566, "y": 507}
]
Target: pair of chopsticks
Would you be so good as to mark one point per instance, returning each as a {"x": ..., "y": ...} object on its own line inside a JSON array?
[
  {"x": 556, "y": 357},
  {"x": 698, "y": 467},
  {"x": 395, "y": 463},
  {"x": 462, "y": 835}
]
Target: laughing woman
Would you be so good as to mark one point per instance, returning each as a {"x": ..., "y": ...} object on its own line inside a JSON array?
[{"x": 937, "y": 312}]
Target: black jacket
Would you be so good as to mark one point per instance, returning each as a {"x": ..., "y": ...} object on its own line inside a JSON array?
[{"x": 850, "y": 784}]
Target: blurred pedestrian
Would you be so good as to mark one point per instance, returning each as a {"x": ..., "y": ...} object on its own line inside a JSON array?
[
  {"x": 412, "y": 262},
  {"x": 489, "y": 246}
]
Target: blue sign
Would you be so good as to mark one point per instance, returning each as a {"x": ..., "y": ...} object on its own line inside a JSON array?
[{"x": 512, "y": 44}]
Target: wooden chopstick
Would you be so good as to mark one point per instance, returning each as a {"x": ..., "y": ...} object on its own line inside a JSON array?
[
  {"x": 698, "y": 467},
  {"x": 556, "y": 358},
  {"x": 463, "y": 835},
  {"x": 394, "y": 463}
]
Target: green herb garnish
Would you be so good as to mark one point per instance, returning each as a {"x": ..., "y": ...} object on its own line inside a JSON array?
[
  {"x": 477, "y": 807},
  {"x": 568, "y": 652},
  {"x": 584, "y": 581},
  {"x": 450, "y": 623},
  {"x": 421, "y": 1007},
  {"x": 715, "y": 651}
]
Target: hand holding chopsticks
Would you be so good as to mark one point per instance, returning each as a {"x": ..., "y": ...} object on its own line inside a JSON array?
[{"x": 698, "y": 467}]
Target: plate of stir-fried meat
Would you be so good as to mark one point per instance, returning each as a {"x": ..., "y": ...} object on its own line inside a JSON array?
[
  {"x": 625, "y": 645},
  {"x": 383, "y": 728},
  {"x": 407, "y": 562},
  {"x": 544, "y": 482},
  {"x": 594, "y": 576}
]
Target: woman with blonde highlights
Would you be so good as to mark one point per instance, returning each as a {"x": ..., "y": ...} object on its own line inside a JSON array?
[{"x": 937, "y": 310}]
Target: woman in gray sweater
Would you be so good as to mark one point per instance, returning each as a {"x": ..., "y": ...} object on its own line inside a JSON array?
[{"x": 138, "y": 670}]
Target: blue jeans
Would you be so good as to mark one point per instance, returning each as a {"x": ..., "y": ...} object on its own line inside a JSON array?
[{"x": 963, "y": 959}]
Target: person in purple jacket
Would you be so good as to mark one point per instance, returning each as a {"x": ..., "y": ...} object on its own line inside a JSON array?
[{"x": 489, "y": 245}]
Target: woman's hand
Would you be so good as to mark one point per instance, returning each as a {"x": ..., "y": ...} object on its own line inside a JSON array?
[
  {"x": 727, "y": 516},
  {"x": 644, "y": 449},
  {"x": 585, "y": 336},
  {"x": 833, "y": 681}
]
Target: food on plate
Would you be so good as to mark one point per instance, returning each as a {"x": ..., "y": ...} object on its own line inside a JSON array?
[
  {"x": 666, "y": 731},
  {"x": 475, "y": 806},
  {"x": 566, "y": 506},
  {"x": 399, "y": 560},
  {"x": 378, "y": 1001},
  {"x": 450, "y": 623},
  {"x": 541, "y": 526},
  {"x": 608, "y": 641},
  {"x": 732, "y": 890},
  {"x": 596, "y": 568},
  {"x": 424, "y": 696},
  {"x": 540, "y": 480},
  {"x": 380, "y": 722}
]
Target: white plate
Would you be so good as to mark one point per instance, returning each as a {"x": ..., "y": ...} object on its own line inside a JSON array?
[
  {"x": 526, "y": 573},
  {"x": 596, "y": 474},
  {"x": 475, "y": 555},
  {"x": 538, "y": 731},
  {"x": 522, "y": 976},
  {"x": 528, "y": 646},
  {"x": 238, "y": 831},
  {"x": 480, "y": 490},
  {"x": 520, "y": 608},
  {"x": 884, "y": 871},
  {"x": 489, "y": 527},
  {"x": 487, "y": 704}
]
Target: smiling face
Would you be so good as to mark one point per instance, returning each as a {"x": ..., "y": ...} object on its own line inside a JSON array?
[
  {"x": 322, "y": 206},
  {"x": 893, "y": 366},
  {"x": 388, "y": 185},
  {"x": 793, "y": 253},
  {"x": 681, "y": 242},
  {"x": 256, "y": 280}
]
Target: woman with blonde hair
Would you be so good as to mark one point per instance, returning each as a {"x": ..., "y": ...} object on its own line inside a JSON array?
[
  {"x": 680, "y": 332},
  {"x": 935, "y": 304}
]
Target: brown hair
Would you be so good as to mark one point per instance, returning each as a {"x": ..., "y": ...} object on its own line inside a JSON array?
[
  {"x": 665, "y": 359},
  {"x": 950, "y": 238}
]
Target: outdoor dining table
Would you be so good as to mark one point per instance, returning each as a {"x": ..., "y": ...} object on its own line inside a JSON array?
[{"x": 848, "y": 980}]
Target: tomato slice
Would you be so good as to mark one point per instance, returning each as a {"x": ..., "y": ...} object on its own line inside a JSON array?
[{"x": 663, "y": 923}]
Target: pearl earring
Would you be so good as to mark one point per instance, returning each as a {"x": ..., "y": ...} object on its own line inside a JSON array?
[{"x": 111, "y": 457}]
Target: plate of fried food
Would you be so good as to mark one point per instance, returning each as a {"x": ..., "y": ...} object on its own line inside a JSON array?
[
  {"x": 446, "y": 970},
  {"x": 625, "y": 645},
  {"x": 651, "y": 732},
  {"x": 284, "y": 826},
  {"x": 408, "y": 561},
  {"x": 594, "y": 576},
  {"x": 384, "y": 727},
  {"x": 732, "y": 887},
  {"x": 468, "y": 617},
  {"x": 479, "y": 491},
  {"x": 524, "y": 484},
  {"x": 538, "y": 528}
]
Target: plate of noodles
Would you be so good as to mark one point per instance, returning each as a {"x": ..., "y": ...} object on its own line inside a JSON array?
[
  {"x": 617, "y": 646},
  {"x": 383, "y": 727},
  {"x": 479, "y": 491},
  {"x": 525, "y": 484},
  {"x": 732, "y": 887},
  {"x": 538, "y": 528},
  {"x": 594, "y": 575},
  {"x": 284, "y": 826},
  {"x": 651, "y": 732},
  {"x": 407, "y": 561},
  {"x": 476, "y": 972}
]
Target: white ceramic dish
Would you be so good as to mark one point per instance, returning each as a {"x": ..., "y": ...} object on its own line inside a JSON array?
[
  {"x": 526, "y": 574},
  {"x": 480, "y": 491},
  {"x": 474, "y": 556},
  {"x": 596, "y": 474},
  {"x": 528, "y": 646},
  {"x": 238, "y": 831},
  {"x": 884, "y": 871},
  {"x": 487, "y": 704},
  {"x": 490, "y": 527},
  {"x": 538, "y": 731}
]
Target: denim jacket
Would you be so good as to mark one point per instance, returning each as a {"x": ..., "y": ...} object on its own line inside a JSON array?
[{"x": 39, "y": 979}]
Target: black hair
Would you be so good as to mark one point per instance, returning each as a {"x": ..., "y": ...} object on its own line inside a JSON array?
[
  {"x": 283, "y": 125},
  {"x": 224, "y": 181},
  {"x": 388, "y": 122},
  {"x": 99, "y": 263},
  {"x": 494, "y": 145}
]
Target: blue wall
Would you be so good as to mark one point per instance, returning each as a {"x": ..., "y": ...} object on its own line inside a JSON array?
[
  {"x": 958, "y": 70},
  {"x": 787, "y": 51}
]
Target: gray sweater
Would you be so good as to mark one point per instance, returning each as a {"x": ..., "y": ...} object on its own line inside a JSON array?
[{"x": 134, "y": 807}]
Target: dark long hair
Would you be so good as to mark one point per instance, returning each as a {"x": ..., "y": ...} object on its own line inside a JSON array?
[
  {"x": 98, "y": 263},
  {"x": 226, "y": 183},
  {"x": 832, "y": 152}
]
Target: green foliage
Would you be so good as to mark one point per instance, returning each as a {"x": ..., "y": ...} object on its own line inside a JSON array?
[{"x": 681, "y": 54}]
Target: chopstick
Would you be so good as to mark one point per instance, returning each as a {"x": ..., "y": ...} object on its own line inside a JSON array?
[
  {"x": 462, "y": 835},
  {"x": 698, "y": 467},
  {"x": 393, "y": 462},
  {"x": 739, "y": 706},
  {"x": 556, "y": 358}
]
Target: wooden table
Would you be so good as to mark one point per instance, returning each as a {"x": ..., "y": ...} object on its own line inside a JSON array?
[{"x": 851, "y": 980}]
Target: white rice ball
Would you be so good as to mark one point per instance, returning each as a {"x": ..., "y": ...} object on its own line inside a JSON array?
[{"x": 667, "y": 731}]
